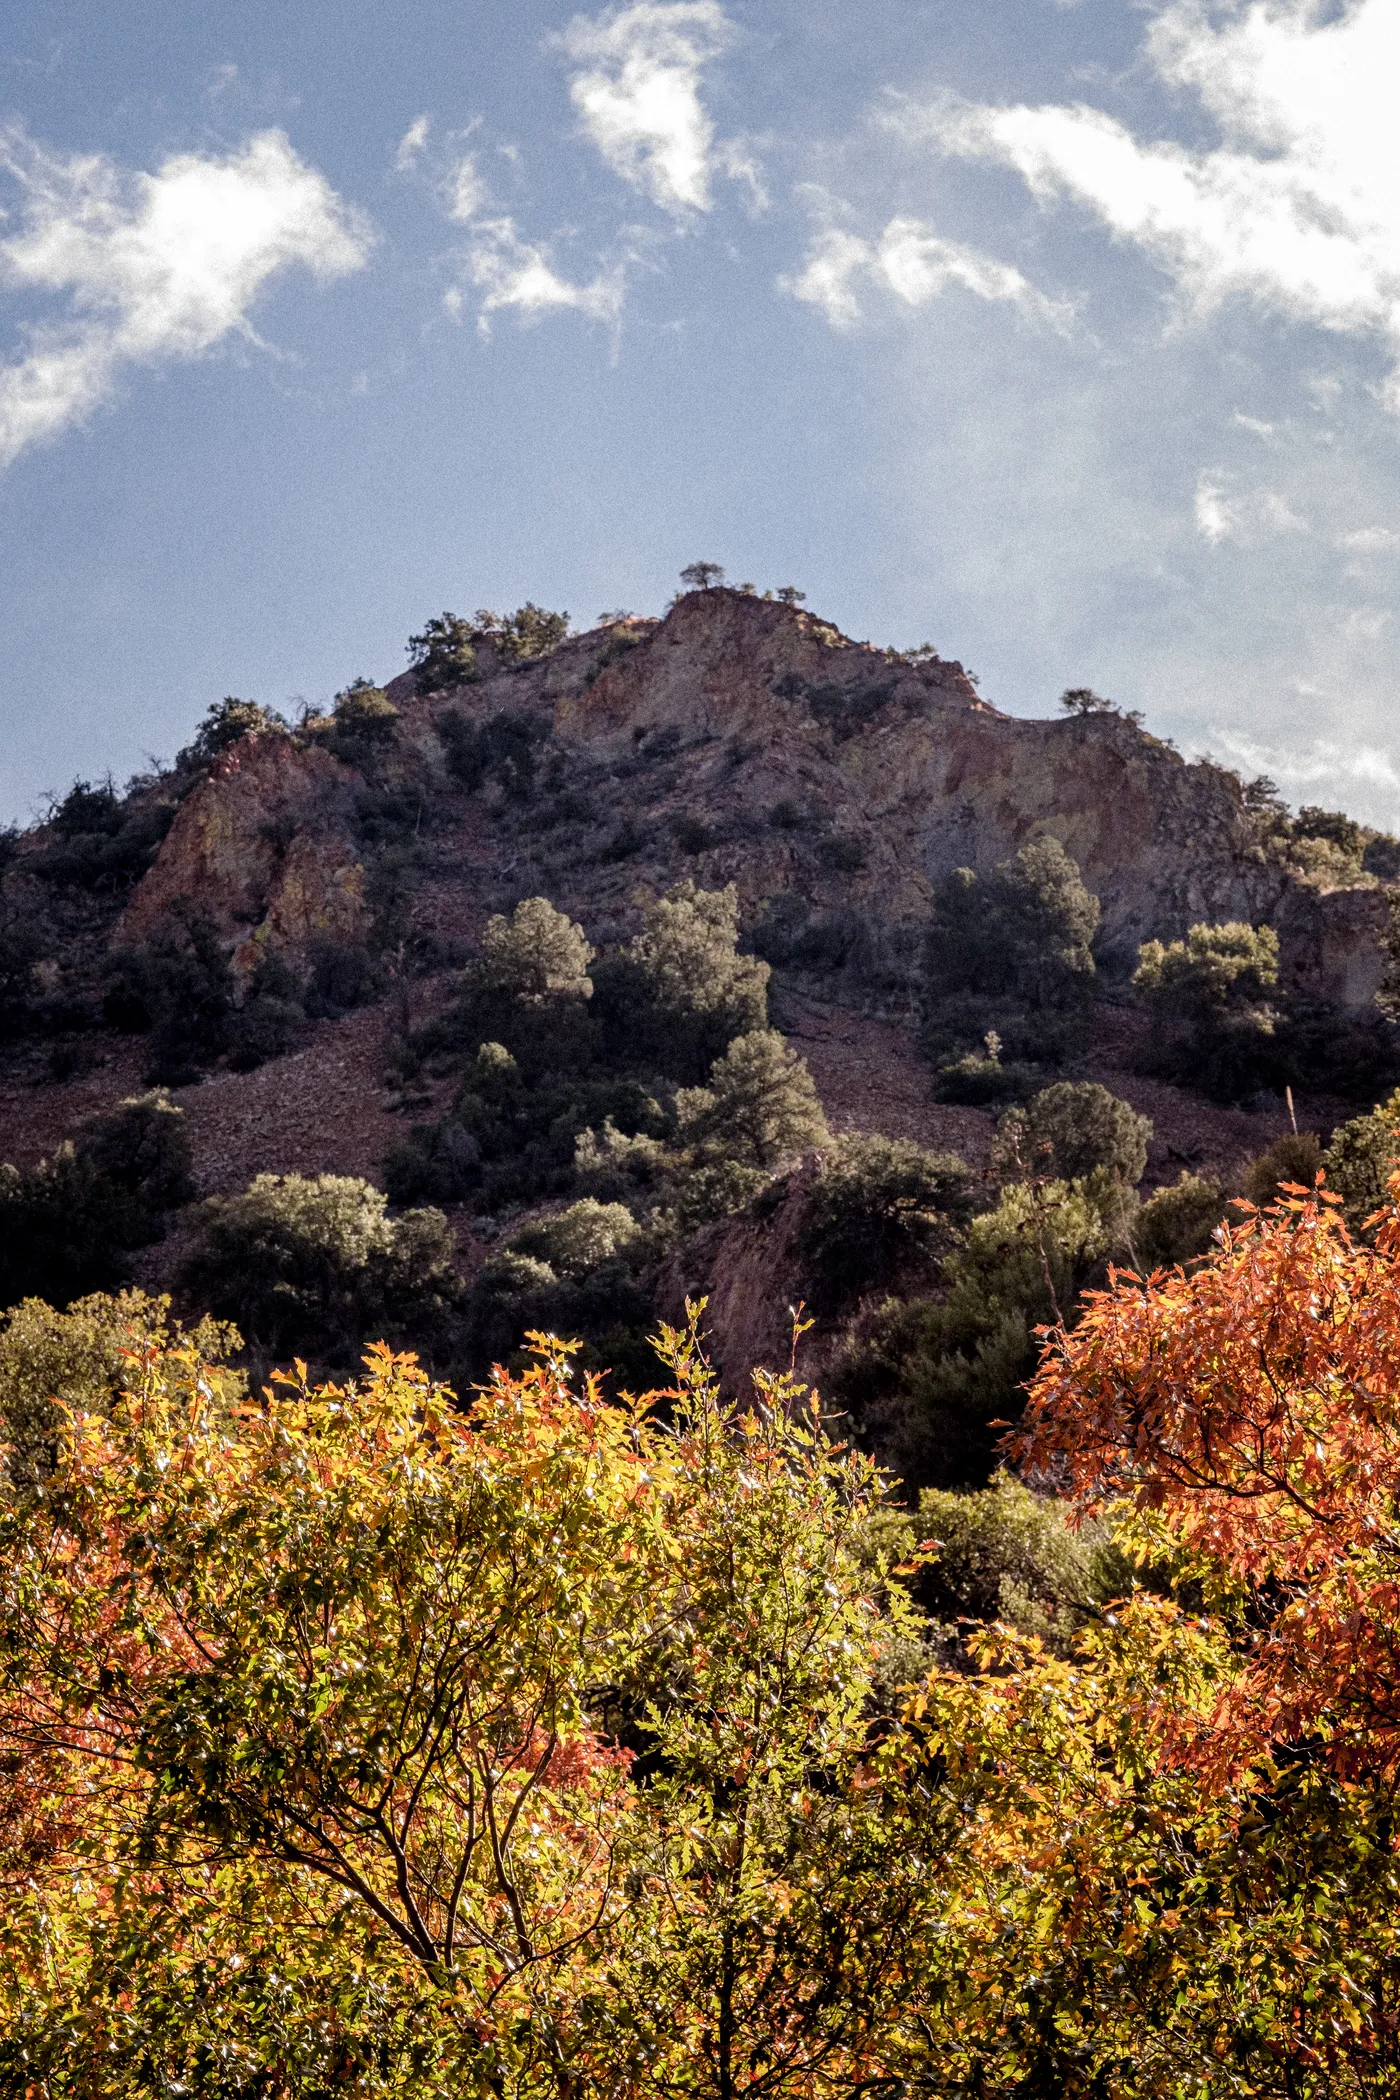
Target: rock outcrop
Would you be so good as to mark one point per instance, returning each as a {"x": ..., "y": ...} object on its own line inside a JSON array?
[{"x": 743, "y": 740}]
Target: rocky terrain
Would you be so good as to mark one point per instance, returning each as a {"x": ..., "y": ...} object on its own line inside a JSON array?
[{"x": 737, "y": 740}]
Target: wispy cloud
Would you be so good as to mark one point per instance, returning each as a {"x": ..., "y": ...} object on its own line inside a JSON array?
[
  {"x": 412, "y": 144},
  {"x": 154, "y": 267},
  {"x": 1358, "y": 775},
  {"x": 507, "y": 273},
  {"x": 1297, "y": 210},
  {"x": 637, "y": 90},
  {"x": 910, "y": 262},
  {"x": 1247, "y": 516}
]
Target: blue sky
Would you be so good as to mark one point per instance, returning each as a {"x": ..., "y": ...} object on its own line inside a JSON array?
[{"x": 1062, "y": 336}]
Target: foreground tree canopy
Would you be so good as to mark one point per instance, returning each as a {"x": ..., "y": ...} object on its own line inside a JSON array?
[{"x": 356, "y": 1741}]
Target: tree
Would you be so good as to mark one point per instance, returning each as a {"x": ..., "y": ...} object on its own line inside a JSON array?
[
  {"x": 1361, "y": 1158},
  {"x": 444, "y": 654},
  {"x": 225, "y": 722},
  {"x": 1082, "y": 700},
  {"x": 1026, "y": 931},
  {"x": 143, "y": 1147},
  {"x": 334, "y": 1799},
  {"x": 538, "y": 953},
  {"x": 789, "y": 595},
  {"x": 875, "y": 1205},
  {"x": 314, "y": 1266},
  {"x": 702, "y": 575},
  {"x": 680, "y": 992},
  {"x": 1069, "y": 1130},
  {"x": 1210, "y": 996},
  {"x": 759, "y": 1107}
]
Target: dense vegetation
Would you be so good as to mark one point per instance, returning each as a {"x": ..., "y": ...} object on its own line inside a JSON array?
[
  {"x": 357, "y": 1742},
  {"x": 1016, "y": 1719}
]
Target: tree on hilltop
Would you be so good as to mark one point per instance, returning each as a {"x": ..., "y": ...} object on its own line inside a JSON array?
[{"x": 702, "y": 575}]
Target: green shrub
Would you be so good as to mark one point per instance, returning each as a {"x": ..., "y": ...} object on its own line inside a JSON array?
[
  {"x": 142, "y": 1146},
  {"x": 529, "y": 991},
  {"x": 1068, "y": 1130},
  {"x": 1006, "y": 1553},
  {"x": 1210, "y": 997},
  {"x": 932, "y": 1384},
  {"x": 759, "y": 1107},
  {"x": 615, "y": 1167},
  {"x": 679, "y": 993},
  {"x": 81, "y": 1358},
  {"x": 225, "y": 722},
  {"x": 344, "y": 975},
  {"x": 1178, "y": 1224},
  {"x": 178, "y": 987},
  {"x": 64, "y": 1229},
  {"x": 99, "y": 840},
  {"x": 580, "y": 1238},
  {"x": 435, "y": 1163},
  {"x": 1361, "y": 1158},
  {"x": 876, "y": 1204},
  {"x": 1027, "y": 929},
  {"x": 314, "y": 1266},
  {"x": 444, "y": 654},
  {"x": 984, "y": 1080},
  {"x": 503, "y": 749},
  {"x": 1296, "y": 1157},
  {"x": 572, "y": 1275},
  {"x": 362, "y": 721}
]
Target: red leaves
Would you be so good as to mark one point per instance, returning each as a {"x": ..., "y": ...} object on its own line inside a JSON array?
[{"x": 1251, "y": 1414}]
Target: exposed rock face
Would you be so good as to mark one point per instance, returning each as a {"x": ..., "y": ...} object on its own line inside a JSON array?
[
  {"x": 800, "y": 762},
  {"x": 265, "y": 845}
]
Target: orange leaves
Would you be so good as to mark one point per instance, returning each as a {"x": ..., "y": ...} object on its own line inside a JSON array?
[{"x": 1250, "y": 1413}]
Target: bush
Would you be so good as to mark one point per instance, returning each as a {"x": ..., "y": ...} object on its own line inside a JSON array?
[
  {"x": 1295, "y": 1157},
  {"x": 580, "y": 1238},
  {"x": 344, "y": 976},
  {"x": 1006, "y": 1553},
  {"x": 64, "y": 1228},
  {"x": 363, "y": 720},
  {"x": 679, "y": 993},
  {"x": 1026, "y": 930},
  {"x": 1178, "y": 1224},
  {"x": 572, "y": 1275},
  {"x": 1068, "y": 1130},
  {"x": 100, "y": 841},
  {"x": 759, "y": 1108},
  {"x": 444, "y": 654},
  {"x": 529, "y": 991},
  {"x": 225, "y": 722},
  {"x": 81, "y": 1358},
  {"x": 933, "y": 1385},
  {"x": 142, "y": 1146},
  {"x": 502, "y": 749},
  {"x": 178, "y": 987},
  {"x": 1361, "y": 1158},
  {"x": 314, "y": 1266},
  {"x": 984, "y": 1081},
  {"x": 877, "y": 1204},
  {"x": 1209, "y": 995}
]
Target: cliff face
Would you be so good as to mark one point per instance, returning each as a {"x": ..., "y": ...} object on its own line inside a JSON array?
[{"x": 747, "y": 741}]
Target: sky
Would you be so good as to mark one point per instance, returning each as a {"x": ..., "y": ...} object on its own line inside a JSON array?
[{"x": 1061, "y": 334}]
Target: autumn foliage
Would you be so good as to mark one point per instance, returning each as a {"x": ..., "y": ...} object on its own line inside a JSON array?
[{"x": 356, "y": 1741}]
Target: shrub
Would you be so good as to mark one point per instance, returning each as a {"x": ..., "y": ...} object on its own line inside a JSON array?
[
  {"x": 876, "y": 1204},
  {"x": 64, "y": 1228},
  {"x": 435, "y": 1163},
  {"x": 1026, "y": 929},
  {"x": 225, "y": 722},
  {"x": 502, "y": 749},
  {"x": 314, "y": 1266},
  {"x": 178, "y": 987},
  {"x": 759, "y": 1107},
  {"x": 580, "y": 1238},
  {"x": 1006, "y": 1553},
  {"x": 100, "y": 841},
  {"x": 983, "y": 1081},
  {"x": 142, "y": 1146},
  {"x": 444, "y": 654},
  {"x": 538, "y": 953},
  {"x": 1210, "y": 994},
  {"x": 1178, "y": 1224},
  {"x": 932, "y": 1385},
  {"x": 614, "y": 1167},
  {"x": 1361, "y": 1158},
  {"x": 680, "y": 992},
  {"x": 81, "y": 1358},
  {"x": 1069, "y": 1129},
  {"x": 1295, "y": 1157},
  {"x": 344, "y": 975},
  {"x": 363, "y": 720},
  {"x": 529, "y": 991}
]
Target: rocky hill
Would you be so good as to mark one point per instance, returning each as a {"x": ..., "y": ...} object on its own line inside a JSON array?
[{"x": 736, "y": 741}]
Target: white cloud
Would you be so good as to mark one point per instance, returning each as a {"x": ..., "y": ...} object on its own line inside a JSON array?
[
  {"x": 1370, "y": 539},
  {"x": 1353, "y": 776},
  {"x": 1246, "y": 516},
  {"x": 637, "y": 92},
  {"x": 1298, "y": 210},
  {"x": 155, "y": 267},
  {"x": 507, "y": 272},
  {"x": 464, "y": 191},
  {"x": 913, "y": 264},
  {"x": 412, "y": 143}
]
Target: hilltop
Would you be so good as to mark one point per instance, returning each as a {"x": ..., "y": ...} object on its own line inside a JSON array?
[{"x": 320, "y": 890}]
